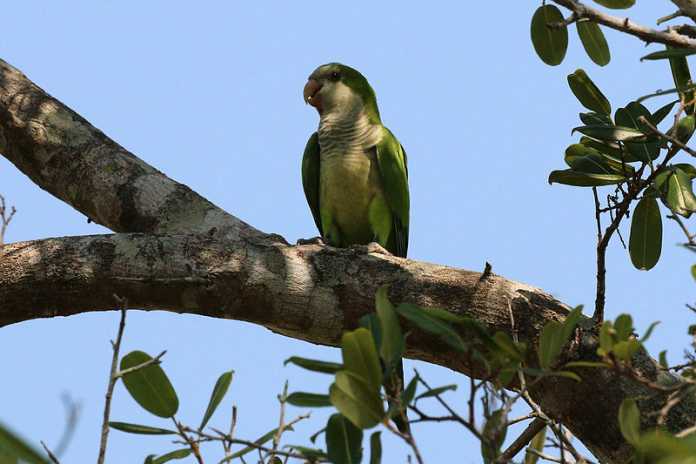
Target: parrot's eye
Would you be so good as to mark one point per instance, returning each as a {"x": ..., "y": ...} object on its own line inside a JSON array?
[{"x": 335, "y": 76}]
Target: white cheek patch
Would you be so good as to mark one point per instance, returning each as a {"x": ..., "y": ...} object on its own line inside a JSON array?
[{"x": 341, "y": 97}]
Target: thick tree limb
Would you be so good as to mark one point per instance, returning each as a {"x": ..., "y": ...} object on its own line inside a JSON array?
[
  {"x": 647, "y": 34},
  {"x": 74, "y": 161},
  {"x": 180, "y": 261},
  {"x": 311, "y": 293}
]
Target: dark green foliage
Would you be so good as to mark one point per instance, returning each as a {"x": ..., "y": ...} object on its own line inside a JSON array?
[
  {"x": 550, "y": 43},
  {"x": 594, "y": 42},
  {"x": 645, "y": 243}
]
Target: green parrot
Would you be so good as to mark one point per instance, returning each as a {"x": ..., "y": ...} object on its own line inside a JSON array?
[
  {"x": 354, "y": 174},
  {"x": 354, "y": 170}
]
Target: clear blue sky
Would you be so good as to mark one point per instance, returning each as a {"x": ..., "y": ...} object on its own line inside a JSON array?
[{"x": 211, "y": 95}]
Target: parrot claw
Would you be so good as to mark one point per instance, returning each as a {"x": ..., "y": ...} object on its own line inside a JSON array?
[
  {"x": 311, "y": 241},
  {"x": 372, "y": 247}
]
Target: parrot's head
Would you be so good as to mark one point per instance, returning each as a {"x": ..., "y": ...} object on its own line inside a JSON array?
[{"x": 335, "y": 87}]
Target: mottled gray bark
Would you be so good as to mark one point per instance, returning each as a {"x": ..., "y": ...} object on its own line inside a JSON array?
[{"x": 183, "y": 254}]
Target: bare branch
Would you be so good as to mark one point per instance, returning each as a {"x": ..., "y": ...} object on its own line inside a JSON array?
[
  {"x": 5, "y": 218},
  {"x": 116, "y": 346}
]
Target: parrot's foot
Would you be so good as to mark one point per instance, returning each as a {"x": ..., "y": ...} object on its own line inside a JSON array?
[
  {"x": 311, "y": 241},
  {"x": 372, "y": 247}
]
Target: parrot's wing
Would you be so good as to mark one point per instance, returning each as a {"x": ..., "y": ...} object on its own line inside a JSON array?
[
  {"x": 310, "y": 178},
  {"x": 391, "y": 158}
]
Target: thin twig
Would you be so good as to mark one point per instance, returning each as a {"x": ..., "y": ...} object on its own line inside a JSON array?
[
  {"x": 282, "y": 398},
  {"x": 221, "y": 436},
  {"x": 670, "y": 16},
  {"x": 195, "y": 449},
  {"x": 686, "y": 432},
  {"x": 525, "y": 437},
  {"x": 408, "y": 438},
  {"x": 51, "y": 456},
  {"x": 673, "y": 140},
  {"x": 5, "y": 218},
  {"x": 116, "y": 346},
  {"x": 689, "y": 236},
  {"x": 149, "y": 362}
]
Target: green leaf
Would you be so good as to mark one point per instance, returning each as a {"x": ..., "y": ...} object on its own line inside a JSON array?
[
  {"x": 688, "y": 169},
  {"x": 219, "y": 390},
  {"x": 571, "y": 321},
  {"x": 606, "y": 338},
  {"x": 685, "y": 128},
  {"x": 434, "y": 325},
  {"x": 617, "y": 4},
  {"x": 625, "y": 350},
  {"x": 12, "y": 444},
  {"x": 645, "y": 242},
  {"x": 669, "y": 53},
  {"x": 658, "y": 116},
  {"x": 615, "y": 133},
  {"x": 588, "y": 93},
  {"x": 392, "y": 346},
  {"x": 172, "y": 455},
  {"x": 550, "y": 343},
  {"x": 371, "y": 323},
  {"x": 593, "y": 41},
  {"x": 583, "y": 179},
  {"x": 375, "y": 448},
  {"x": 610, "y": 149},
  {"x": 648, "y": 332},
  {"x": 549, "y": 43},
  {"x": 360, "y": 357},
  {"x": 630, "y": 117},
  {"x": 308, "y": 400},
  {"x": 508, "y": 346},
  {"x": 343, "y": 441},
  {"x": 678, "y": 193},
  {"x": 150, "y": 387},
  {"x": 595, "y": 119},
  {"x": 581, "y": 158},
  {"x": 629, "y": 421},
  {"x": 682, "y": 78},
  {"x": 693, "y": 271},
  {"x": 436, "y": 391},
  {"x": 536, "y": 444},
  {"x": 140, "y": 429},
  {"x": 566, "y": 374},
  {"x": 409, "y": 392},
  {"x": 623, "y": 325},
  {"x": 663, "y": 359},
  {"x": 313, "y": 365},
  {"x": 312, "y": 454},
  {"x": 589, "y": 364},
  {"x": 357, "y": 401},
  {"x": 664, "y": 448}
]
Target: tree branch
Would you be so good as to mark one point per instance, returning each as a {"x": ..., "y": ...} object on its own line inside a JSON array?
[{"x": 647, "y": 34}]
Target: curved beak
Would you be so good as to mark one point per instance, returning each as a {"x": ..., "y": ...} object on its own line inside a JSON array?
[{"x": 310, "y": 91}]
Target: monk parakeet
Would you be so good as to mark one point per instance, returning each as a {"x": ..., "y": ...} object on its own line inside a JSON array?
[
  {"x": 354, "y": 174},
  {"x": 354, "y": 170}
]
